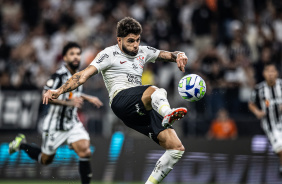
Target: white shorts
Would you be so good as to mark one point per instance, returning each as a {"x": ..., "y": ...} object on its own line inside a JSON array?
[
  {"x": 53, "y": 139},
  {"x": 275, "y": 138}
]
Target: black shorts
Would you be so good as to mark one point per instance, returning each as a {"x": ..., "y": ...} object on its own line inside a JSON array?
[{"x": 128, "y": 106}]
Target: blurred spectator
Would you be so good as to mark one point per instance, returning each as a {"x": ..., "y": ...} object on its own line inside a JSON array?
[
  {"x": 227, "y": 11},
  {"x": 185, "y": 19},
  {"x": 96, "y": 17},
  {"x": 138, "y": 10},
  {"x": 148, "y": 77},
  {"x": 211, "y": 66},
  {"x": 265, "y": 57},
  {"x": 237, "y": 52},
  {"x": 223, "y": 127},
  {"x": 225, "y": 44},
  {"x": 202, "y": 21}
]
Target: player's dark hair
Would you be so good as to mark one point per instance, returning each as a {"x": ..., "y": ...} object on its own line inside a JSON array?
[
  {"x": 270, "y": 64},
  {"x": 127, "y": 26},
  {"x": 68, "y": 46}
]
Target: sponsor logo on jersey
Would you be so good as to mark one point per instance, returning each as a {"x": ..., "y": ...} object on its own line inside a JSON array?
[
  {"x": 141, "y": 61},
  {"x": 115, "y": 53},
  {"x": 101, "y": 59},
  {"x": 121, "y": 62},
  {"x": 151, "y": 48},
  {"x": 134, "y": 79},
  {"x": 134, "y": 66}
]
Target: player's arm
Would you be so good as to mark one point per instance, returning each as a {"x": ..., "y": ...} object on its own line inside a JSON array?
[
  {"x": 92, "y": 99},
  {"x": 256, "y": 111},
  {"x": 179, "y": 57},
  {"x": 76, "y": 80},
  {"x": 74, "y": 102}
]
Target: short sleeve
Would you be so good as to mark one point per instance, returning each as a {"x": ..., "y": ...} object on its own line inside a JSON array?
[
  {"x": 254, "y": 96},
  {"x": 152, "y": 53},
  {"x": 54, "y": 82},
  {"x": 103, "y": 60}
]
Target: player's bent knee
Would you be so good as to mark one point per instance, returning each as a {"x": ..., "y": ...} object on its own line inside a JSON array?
[
  {"x": 175, "y": 155},
  {"x": 46, "y": 161},
  {"x": 180, "y": 148},
  {"x": 158, "y": 92}
]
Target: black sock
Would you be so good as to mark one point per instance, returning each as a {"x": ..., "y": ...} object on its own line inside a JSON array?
[
  {"x": 32, "y": 150},
  {"x": 85, "y": 170}
]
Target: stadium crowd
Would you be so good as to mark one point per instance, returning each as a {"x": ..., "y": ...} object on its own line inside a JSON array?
[{"x": 227, "y": 43}]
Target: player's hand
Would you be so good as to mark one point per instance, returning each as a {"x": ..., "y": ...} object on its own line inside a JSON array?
[
  {"x": 77, "y": 102},
  {"x": 50, "y": 95},
  {"x": 94, "y": 100},
  {"x": 260, "y": 114},
  {"x": 181, "y": 61}
]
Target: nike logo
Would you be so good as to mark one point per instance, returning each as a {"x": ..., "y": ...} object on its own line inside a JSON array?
[{"x": 121, "y": 62}]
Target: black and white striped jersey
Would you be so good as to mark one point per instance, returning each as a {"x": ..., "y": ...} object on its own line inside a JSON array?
[
  {"x": 269, "y": 99},
  {"x": 61, "y": 117}
]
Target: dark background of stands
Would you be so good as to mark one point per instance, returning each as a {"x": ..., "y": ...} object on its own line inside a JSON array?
[{"x": 227, "y": 43}]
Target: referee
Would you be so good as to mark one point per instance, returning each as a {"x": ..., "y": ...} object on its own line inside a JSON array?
[{"x": 266, "y": 104}]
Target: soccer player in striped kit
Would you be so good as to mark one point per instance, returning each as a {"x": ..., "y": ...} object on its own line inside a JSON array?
[
  {"x": 266, "y": 104},
  {"x": 61, "y": 123}
]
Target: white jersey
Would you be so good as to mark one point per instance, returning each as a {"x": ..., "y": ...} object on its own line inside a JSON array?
[
  {"x": 61, "y": 117},
  {"x": 121, "y": 71}
]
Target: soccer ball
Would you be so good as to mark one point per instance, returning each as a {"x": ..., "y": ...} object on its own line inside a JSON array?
[{"x": 192, "y": 87}]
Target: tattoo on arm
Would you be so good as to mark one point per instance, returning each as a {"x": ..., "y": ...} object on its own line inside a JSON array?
[
  {"x": 78, "y": 79},
  {"x": 71, "y": 84},
  {"x": 167, "y": 56}
]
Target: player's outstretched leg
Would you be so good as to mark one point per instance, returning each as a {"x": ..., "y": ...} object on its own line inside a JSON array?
[
  {"x": 82, "y": 148},
  {"x": 161, "y": 105},
  {"x": 19, "y": 142},
  {"x": 14, "y": 146},
  {"x": 174, "y": 151}
]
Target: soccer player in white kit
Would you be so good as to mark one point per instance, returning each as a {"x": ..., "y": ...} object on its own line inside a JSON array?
[
  {"x": 61, "y": 123},
  {"x": 142, "y": 108}
]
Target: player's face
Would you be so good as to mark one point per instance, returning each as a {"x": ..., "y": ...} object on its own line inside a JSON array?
[
  {"x": 270, "y": 74},
  {"x": 129, "y": 44},
  {"x": 72, "y": 58}
]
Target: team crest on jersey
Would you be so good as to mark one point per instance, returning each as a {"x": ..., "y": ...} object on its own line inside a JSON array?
[
  {"x": 141, "y": 61},
  {"x": 267, "y": 103}
]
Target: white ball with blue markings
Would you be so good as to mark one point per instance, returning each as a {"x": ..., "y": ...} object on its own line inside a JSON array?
[{"x": 192, "y": 87}]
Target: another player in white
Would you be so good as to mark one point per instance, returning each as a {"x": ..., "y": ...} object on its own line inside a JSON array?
[{"x": 142, "y": 108}]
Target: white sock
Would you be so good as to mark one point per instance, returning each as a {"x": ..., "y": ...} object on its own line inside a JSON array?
[
  {"x": 39, "y": 158},
  {"x": 164, "y": 165},
  {"x": 160, "y": 102}
]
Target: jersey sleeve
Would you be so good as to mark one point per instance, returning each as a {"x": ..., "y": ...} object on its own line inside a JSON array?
[
  {"x": 103, "y": 60},
  {"x": 152, "y": 53},
  {"x": 54, "y": 82},
  {"x": 254, "y": 96}
]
